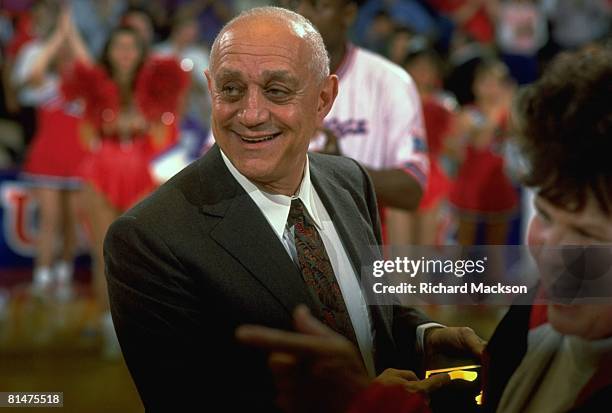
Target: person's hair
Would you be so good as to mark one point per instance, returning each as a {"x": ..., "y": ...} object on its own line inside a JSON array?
[
  {"x": 564, "y": 122},
  {"x": 135, "y": 10},
  {"x": 302, "y": 27},
  {"x": 425, "y": 52},
  {"x": 105, "y": 56},
  {"x": 489, "y": 65},
  {"x": 179, "y": 20}
]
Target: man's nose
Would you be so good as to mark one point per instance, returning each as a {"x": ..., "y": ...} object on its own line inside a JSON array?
[{"x": 255, "y": 111}]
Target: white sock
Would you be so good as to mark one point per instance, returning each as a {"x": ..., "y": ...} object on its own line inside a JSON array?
[
  {"x": 42, "y": 276},
  {"x": 63, "y": 272}
]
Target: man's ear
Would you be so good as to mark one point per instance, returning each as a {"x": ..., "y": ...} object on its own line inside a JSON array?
[
  {"x": 327, "y": 96},
  {"x": 209, "y": 81}
]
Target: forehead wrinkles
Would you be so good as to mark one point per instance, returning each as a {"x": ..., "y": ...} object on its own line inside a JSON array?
[
  {"x": 264, "y": 38},
  {"x": 257, "y": 50},
  {"x": 269, "y": 41},
  {"x": 259, "y": 60}
]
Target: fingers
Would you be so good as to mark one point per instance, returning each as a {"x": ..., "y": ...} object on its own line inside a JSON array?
[
  {"x": 307, "y": 324},
  {"x": 395, "y": 376},
  {"x": 405, "y": 374},
  {"x": 284, "y": 368},
  {"x": 281, "y": 363},
  {"x": 471, "y": 341},
  {"x": 433, "y": 383},
  {"x": 459, "y": 340},
  {"x": 411, "y": 382}
]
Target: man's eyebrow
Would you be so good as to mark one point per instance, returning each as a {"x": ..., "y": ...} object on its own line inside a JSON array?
[
  {"x": 280, "y": 75},
  {"x": 225, "y": 74}
]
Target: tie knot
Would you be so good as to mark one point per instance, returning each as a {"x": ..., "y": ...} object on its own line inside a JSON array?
[{"x": 296, "y": 213}]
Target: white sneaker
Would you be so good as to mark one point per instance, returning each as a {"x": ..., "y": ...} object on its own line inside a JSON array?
[
  {"x": 42, "y": 280},
  {"x": 63, "y": 272}
]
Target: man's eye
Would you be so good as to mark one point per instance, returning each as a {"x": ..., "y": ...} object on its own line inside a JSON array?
[
  {"x": 277, "y": 93},
  {"x": 231, "y": 91}
]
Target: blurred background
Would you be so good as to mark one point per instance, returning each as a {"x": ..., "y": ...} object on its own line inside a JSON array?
[{"x": 467, "y": 58}]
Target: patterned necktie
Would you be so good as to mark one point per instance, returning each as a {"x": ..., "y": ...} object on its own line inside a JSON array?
[{"x": 318, "y": 273}]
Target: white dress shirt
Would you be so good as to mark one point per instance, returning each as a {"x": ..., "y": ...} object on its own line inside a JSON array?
[{"x": 275, "y": 208}]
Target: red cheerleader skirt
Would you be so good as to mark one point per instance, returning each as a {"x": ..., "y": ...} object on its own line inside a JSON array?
[{"x": 56, "y": 152}]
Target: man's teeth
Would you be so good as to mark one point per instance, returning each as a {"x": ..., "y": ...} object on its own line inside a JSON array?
[{"x": 263, "y": 138}]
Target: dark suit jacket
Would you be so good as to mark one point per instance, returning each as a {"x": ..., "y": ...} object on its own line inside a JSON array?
[{"x": 197, "y": 259}]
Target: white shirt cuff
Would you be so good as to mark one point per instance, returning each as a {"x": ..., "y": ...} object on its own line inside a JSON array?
[{"x": 420, "y": 335}]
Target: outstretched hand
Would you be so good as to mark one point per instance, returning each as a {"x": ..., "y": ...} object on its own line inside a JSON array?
[{"x": 315, "y": 369}]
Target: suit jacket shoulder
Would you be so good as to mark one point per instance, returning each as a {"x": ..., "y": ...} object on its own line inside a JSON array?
[{"x": 352, "y": 177}]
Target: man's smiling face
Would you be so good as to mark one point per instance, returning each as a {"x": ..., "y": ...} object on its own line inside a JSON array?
[{"x": 267, "y": 103}]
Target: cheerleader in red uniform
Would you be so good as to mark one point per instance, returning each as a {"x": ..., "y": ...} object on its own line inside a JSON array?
[
  {"x": 55, "y": 152},
  {"x": 131, "y": 115},
  {"x": 483, "y": 193}
]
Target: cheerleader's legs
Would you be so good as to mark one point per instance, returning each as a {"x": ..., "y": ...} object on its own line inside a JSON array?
[
  {"x": 494, "y": 230},
  {"x": 69, "y": 203},
  {"x": 101, "y": 214},
  {"x": 400, "y": 226},
  {"x": 413, "y": 228},
  {"x": 428, "y": 222},
  {"x": 49, "y": 205}
]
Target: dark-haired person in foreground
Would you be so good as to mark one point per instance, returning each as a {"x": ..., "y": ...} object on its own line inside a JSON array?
[{"x": 541, "y": 358}]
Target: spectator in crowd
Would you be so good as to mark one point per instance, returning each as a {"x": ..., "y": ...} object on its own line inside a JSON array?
[
  {"x": 474, "y": 17},
  {"x": 399, "y": 44},
  {"x": 95, "y": 20},
  {"x": 578, "y": 23},
  {"x": 379, "y": 32},
  {"x": 51, "y": 164},
  {"x": 141, "y": 21},
  {"x": 379, "y": 125},
  {"x": 183, "y": 45},
  {"x": 440, "y": 112},
  {"x": 482, "y": 193},
  {"x": 37, "y": 25},
  {"x": 211, "y": 15},
  {"x": 522, "y": 31},
  {"x": 561, "y": 351}
]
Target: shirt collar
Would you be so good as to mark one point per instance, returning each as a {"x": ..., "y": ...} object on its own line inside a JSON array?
[{"x": 275, "y": 207}]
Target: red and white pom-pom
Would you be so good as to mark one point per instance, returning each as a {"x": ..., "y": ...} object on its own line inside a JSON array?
[
  {"x": 97, "y": 90},
  {"x": 160, "y": 86}
]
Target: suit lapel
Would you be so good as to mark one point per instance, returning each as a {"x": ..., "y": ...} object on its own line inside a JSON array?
[
  {"x": 245, "y": 234},
  {"x": 355, "y": 237},
  {"x": 344, "y": 214}
]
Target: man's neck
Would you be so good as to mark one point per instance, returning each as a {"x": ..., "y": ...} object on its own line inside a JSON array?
[{"x": 280, "y": 188}]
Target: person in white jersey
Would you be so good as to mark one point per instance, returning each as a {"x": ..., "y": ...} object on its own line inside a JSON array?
[{"x": 377, "y": 117}]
